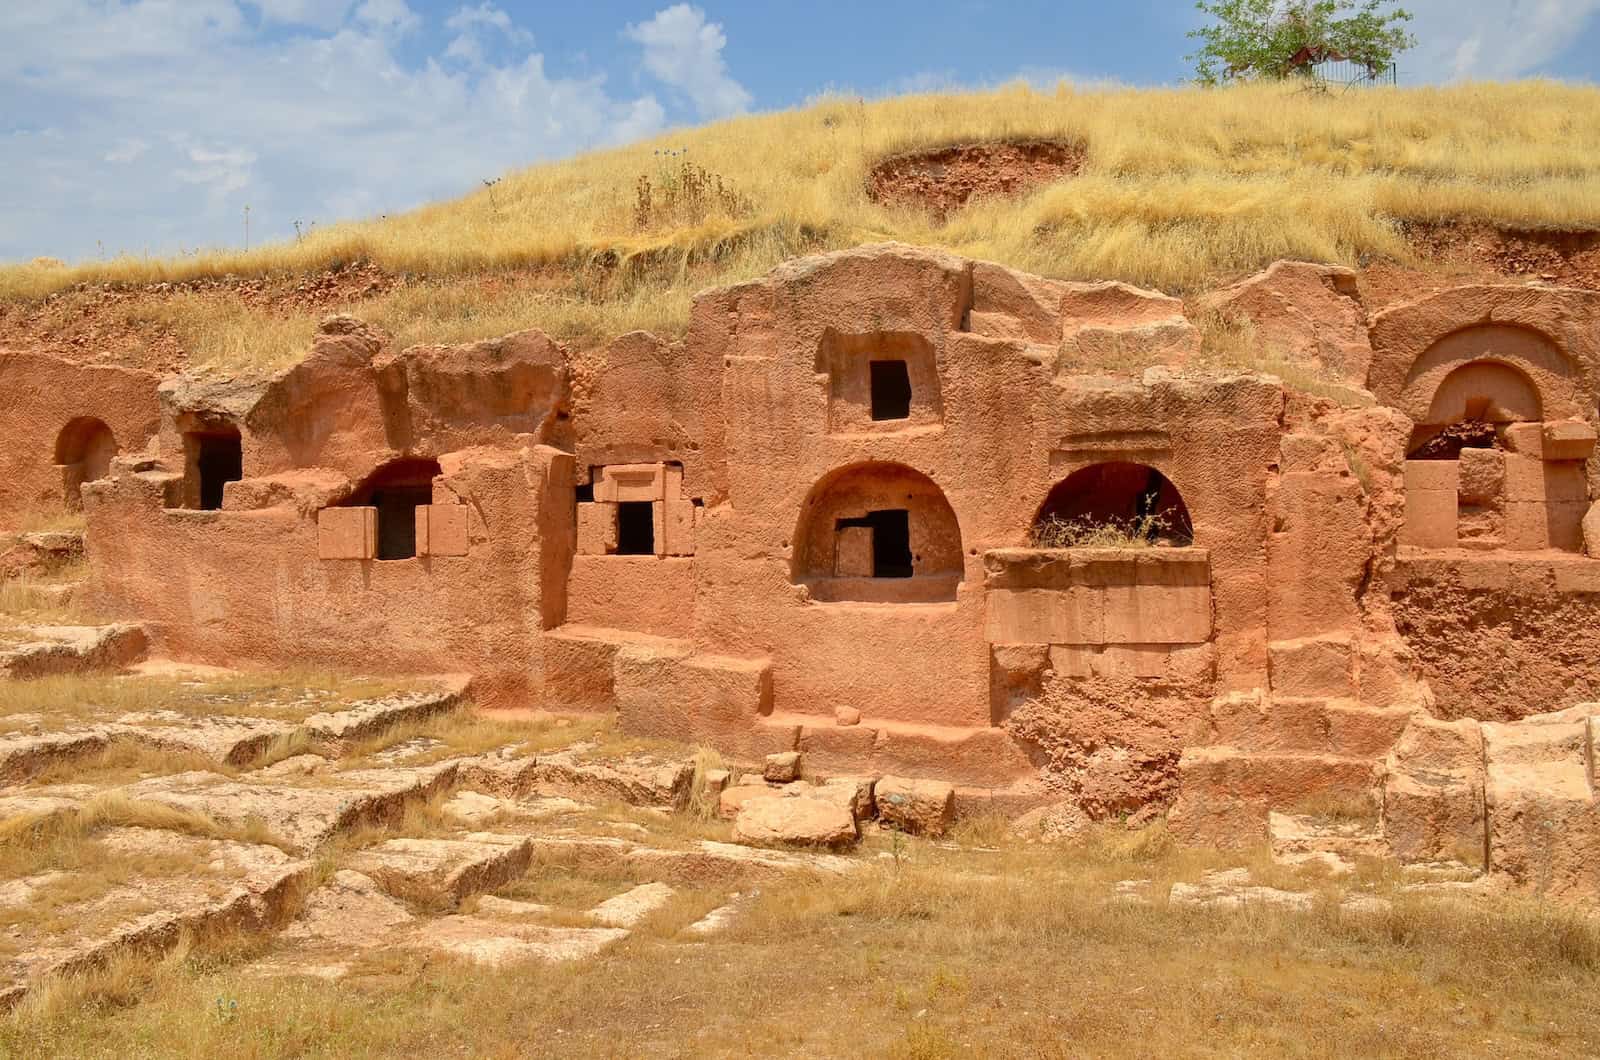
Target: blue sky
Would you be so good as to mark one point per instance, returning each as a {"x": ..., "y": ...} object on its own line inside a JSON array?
[{"x": 147, "y": 125}]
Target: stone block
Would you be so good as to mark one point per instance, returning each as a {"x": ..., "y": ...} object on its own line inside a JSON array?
[
  {"x": 1442, "y": 476},
  {"x": 672, "y": 483},
  {"x": 1524, "y": 438},
  {"x": 1564, "y": 524},
  {"x": 631, "y": 482},
  {"x": 597, "y": 528},
  {"x": 1070, "y": 660},
  {"x": 1431, "y": 515},
  {"x": 1433, "y": 817},
  {"x": 347, "y": 533},
  {"x": 1565, "y": 483},
  {"x": 578, "y": 670},
  {"x": 830, "y": 748},
  {"x": 852, "y": 552},
  {"x": 1527, "y": 526},
  {"x": 1482, "y": 475},
  {"x": 1157, "y": 614},
  {"x": 1544, "y": 828},
  {"x": 1131, "y": 660},
  {"x": 794, "y": 822},
  {"x": 1307, "y": 452},
  {"x": 1313, "y": 666},
  {"x": 1568, "y": 440},
  {"x": 1583, "y": 576},
  {"x": 922, "y": 807},
  {"x": 782, "y": 767},
  {"x": 1192, "y": 662},
  {"x": 1591, "y": 531},
  {"x": 677, "y": 520},
  {"x": 1525, "y": 479},
  {"x": 441, "y": 529},
  {"x": 694, "y": 699},
  {"x": 1044, "y": 616}
]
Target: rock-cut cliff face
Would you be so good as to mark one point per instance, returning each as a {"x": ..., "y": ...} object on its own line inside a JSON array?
[{"x": 906, "y": 513}]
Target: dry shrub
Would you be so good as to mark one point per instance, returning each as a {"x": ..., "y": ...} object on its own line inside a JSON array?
[{"x": 1140, "y": 531}]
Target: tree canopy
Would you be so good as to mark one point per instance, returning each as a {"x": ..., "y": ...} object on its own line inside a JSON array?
[{"x": 1277, "y": 39}]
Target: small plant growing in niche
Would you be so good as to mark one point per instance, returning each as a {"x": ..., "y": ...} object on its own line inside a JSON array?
[{"x": 1139, "y": 531}]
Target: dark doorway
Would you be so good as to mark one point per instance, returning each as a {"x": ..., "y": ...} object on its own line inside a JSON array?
[
  {"x": 891, "y": 541},
  {"x": 216, "y": 458},
  {"x": 397, "y": 519},
  {"x": 891, "y": 390},
  {"x": 397, "y": 490},
  {"x": 636, "y": 529}
]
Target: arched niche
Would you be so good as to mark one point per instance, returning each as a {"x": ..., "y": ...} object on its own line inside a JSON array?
[
  {"x": 1505, "y": 370},
  {"x": 1471, "y": 407},
  {"x": 83, "y": 452},
  {"x": 397, "y": 489},
  {"x": 1102, "y": 503},
  {"x": 877, "y": 532}
]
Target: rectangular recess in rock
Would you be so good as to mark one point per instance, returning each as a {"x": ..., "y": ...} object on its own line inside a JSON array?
[{"x": 879, "y": 381}]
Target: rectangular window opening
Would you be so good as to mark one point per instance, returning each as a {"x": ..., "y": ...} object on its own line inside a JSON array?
[
  {"x": 891, "y": 541},
  {"x": 397, "y": 519},
  {"x": 636, "y": 529},
  {"x": 891, "y": 390}
]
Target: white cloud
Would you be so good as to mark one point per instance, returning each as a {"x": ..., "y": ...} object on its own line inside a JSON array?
[
  {"x": 473, "y": 26},
  {"x": 684, "y": 51},
  {"x": 147, "y": 124},
  {"x": 221, "y": 171},
  {"x": 322, "y": 14},
  {"x": 127, "y": 150},
  {"x": 390, "y": 15},
  {"x": 1490, "y": 39}
]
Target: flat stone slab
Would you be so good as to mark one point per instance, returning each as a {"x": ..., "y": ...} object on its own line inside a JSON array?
[
  {"x": 476, "y": 808},
  {"x": 340, "y": 920},
  {"x": 1232, "y": 889},
  {"x": 706, "y": 862},
  {"x": 23, "y": 755},
  {"x": 302, "y": 816},
  {"x": 491, "y": 942},
  {"x": 238, "y": 885},
  {"x": 337, "y": 730},
  {"x": 49, "y": 650},
  {"x": 716, "y": 921},
  {"x": 638, "y": 779},
  {"x": 231, "y": 741},
  {"x": 434, "y": 870},
  {"x": 631, "y": 906}
]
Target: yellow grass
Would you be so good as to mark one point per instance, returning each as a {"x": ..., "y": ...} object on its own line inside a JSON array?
[
  {"x": 289, "y": 695},
  {"x": 1181, "y": 187},
  {"x": 973, "y": 951}
]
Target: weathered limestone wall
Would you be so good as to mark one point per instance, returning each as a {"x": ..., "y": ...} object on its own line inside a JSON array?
[
  {"x": 40, "y": 397},
  {"x": 740, "y": 539},
  {"x": 248, "y": 587},
  {"x": 1501, "y": 637}
]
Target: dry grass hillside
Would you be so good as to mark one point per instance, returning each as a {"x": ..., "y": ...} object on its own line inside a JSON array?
[{"x": 1177, "y": 189}]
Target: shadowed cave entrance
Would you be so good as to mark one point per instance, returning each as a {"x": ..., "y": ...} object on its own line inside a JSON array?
[
  {"x": 397, "y": 490},
  {"x": 212, "y": 459},
  {"x": 1110, "y": 505}
]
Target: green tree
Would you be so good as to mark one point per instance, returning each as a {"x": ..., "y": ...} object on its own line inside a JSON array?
[{"x": 1262, "y": 39}]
